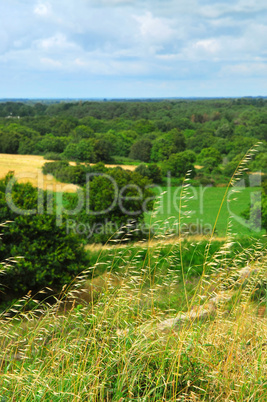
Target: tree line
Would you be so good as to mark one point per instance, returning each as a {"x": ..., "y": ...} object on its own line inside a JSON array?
[{"x": 176, "y": 134}]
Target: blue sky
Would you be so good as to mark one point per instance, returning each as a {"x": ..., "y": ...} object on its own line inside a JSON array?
[{"x": 132, "y": 48}]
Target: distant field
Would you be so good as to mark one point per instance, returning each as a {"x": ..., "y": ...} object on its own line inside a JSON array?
[
  {"x": 28, "y": 168},
  {"x": 204, "y": 206}
]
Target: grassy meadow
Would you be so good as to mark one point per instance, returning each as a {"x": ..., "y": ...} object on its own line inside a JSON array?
[
  {"x": 205, "y": 206},
  {"x": 147, "y": 326}
]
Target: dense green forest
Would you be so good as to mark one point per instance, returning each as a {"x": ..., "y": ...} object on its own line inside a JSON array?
[{"x": 175, "y": 134}]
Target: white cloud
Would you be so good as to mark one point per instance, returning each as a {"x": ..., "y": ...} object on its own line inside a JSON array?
[
  {"x": 250, "y": 5},
  {"x": 154, "y": 29},
  {"x": 50, "y": 63},
  {"x": 116, "y": 2},
  {"x": 57, "y": 42},
  {"x": 42, "y": 9},
  {"x": 244, "y": 70},
  {"x": 207, "y": 45},
  {"x": 213, "y": 11},
  {"x": 222, "y": 9},
  {"x": 188, "y": 40}
]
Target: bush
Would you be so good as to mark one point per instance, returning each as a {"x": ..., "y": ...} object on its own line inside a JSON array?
[
  {"x": 152, "y": 171},
  {"x": 51, "y": 257},
  {"x": 179, "y": 164},
  {"x": 52, "y": 156},
  {"x": 141, "y": 150}
]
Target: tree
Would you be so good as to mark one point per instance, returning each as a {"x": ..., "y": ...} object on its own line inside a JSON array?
[
  {"x": 230, "y": 168},
  {"x": 66, "y": 173},
  {"x": 9, "y": 140},
  {"x": 171, "y": 143},
  {"x": 209, "y": 164},
  {"x": 177, "y": 140},
  {"x": 240, "y": 146},
  {"x": 141, "y": 150},
  {"x": 50, "y": 143},
  {"x": 160, "y": 150},
  {"x": 115, "y": 199},
  {"x": 142, "y": 169},
  {"x": 103, "y": 150},
  {"x": 82, "y": 132},
  {"x": 152, "y": 171},
  {"x": 112, "y": 197},
  {"x": 179, "y": 164},
  {"x": 63, "y": 126},
  {"x": 86, "y": 151},
  {"x": 256, "y": 214},
  {"x": 210, "y": 153},
  {"x": 71, "y": 152},
  {"x": 260, "y": 162},
  {"x": 51, "y": 257},
  {"x": 202, "y": 139},
  {"x": 225, "y": 131},
  {"x": 143, "y": 126}
]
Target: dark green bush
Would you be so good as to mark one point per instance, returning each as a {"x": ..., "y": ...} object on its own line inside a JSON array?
[
  {"x": 52, "y": 156},
  {"x": 50, "y": 256}
]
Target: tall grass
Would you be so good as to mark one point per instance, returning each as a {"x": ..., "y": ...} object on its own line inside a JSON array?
[
  {"x": 151, "y": 322},
  {"x": 120, "y": 346}
]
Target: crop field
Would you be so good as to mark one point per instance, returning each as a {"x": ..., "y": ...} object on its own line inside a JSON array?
[
  {"x": 202, "y": 208},
  {"x": 28, "y": 168}
]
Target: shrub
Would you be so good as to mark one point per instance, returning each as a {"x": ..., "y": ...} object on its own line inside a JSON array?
[
  {"x": 51, "y": 257},
  {"x": 179, "y": 164},
  {"x": 151, "y": 171},
  {"x": 52, "y": 156}
]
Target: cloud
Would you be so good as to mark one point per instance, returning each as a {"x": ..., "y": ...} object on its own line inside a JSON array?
[
  {"x": 244, "y": 70},
  {"x": 243, "y": 8},
  {"x": 42, "y": 9},
  {"x": 154, "y": 29},
  {"x": 139, "y": 40},
  {"x": 115, "y": 2},
  {"x": 50, "y": 63},
  {"x": 207, "y": 45},
  {"x": 54, "y": 43}
]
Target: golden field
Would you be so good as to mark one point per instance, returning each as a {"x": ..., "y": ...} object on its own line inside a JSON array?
[{"x": 28, "y": 168}]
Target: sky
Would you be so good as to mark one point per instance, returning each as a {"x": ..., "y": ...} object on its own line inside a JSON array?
[{"x": 132, "y": 48}]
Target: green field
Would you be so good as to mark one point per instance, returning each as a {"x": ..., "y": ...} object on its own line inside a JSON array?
[{"x": 201, "y": 206}]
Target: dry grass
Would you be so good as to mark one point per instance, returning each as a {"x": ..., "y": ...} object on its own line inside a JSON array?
[
  {"x": 28, "y": 168},
  {"x": 107, "y": 351},
  {"x": 126, "y": 167},
  {"x": 160, "y": 241}
]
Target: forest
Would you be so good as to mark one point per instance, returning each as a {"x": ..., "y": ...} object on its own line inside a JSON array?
[{"x": 174, "y": 134}]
